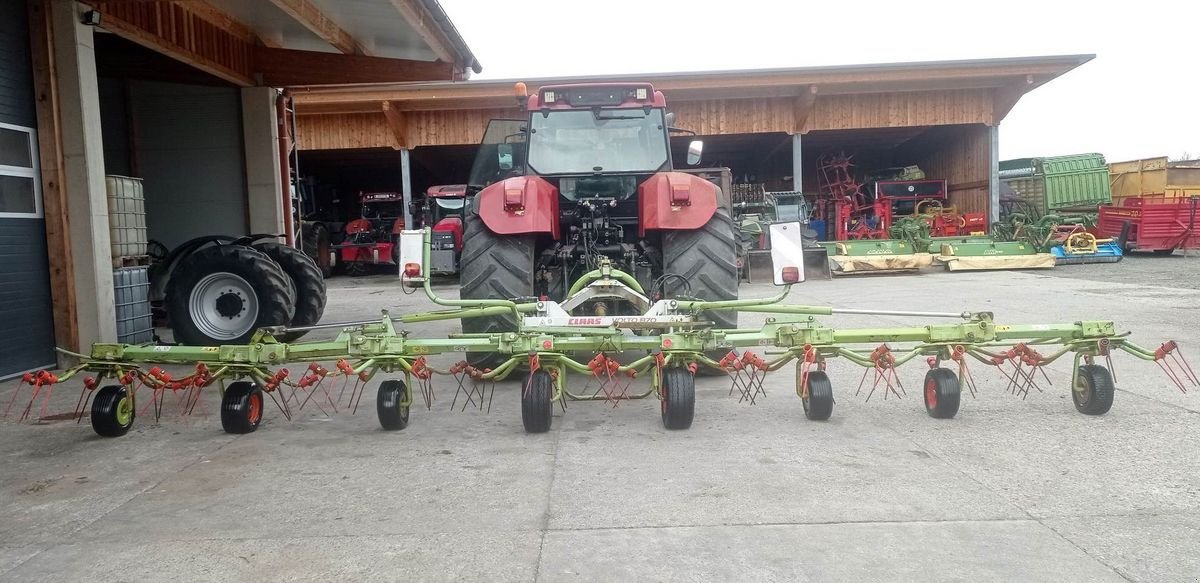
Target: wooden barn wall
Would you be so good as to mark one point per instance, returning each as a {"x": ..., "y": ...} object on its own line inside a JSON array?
[
  {"x": 706, "y": 117},
  {"x": 963, "y": 160}
]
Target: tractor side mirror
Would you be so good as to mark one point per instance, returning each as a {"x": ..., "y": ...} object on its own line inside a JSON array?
[
  {"x": 787, "y": 252},
  {"x": 504, "y": 156},
  {"x": 695, "y": 149}
]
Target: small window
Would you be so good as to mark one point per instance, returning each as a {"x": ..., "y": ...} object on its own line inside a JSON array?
[{"x": 20, "y": 184}]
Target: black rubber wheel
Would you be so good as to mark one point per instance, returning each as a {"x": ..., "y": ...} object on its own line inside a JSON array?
[
  {"x": 1093, "y": 391},
  {"x": 678, "y": 399},
  {"x": 942, "y": 393},
  {"x": 389, "y": 404},
  {"x": 241, "y": 407},
  {"x": 112, "y": 411},
  {"x": 707, "y": 258},
  {"x": 537, "y": 394},
  {"x": 818, "y": 404},
  {"x": 307, "y": 280},
  {"x": 493, "y": 267},
  {"x": 223, "y": 293},
  {"x": 315, "y": 239}
]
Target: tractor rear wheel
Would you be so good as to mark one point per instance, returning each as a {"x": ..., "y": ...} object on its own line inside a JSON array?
[
  {"x": 307, "y": 279},
  {"x": 707, "y": 259},
  {"x": 494, "y": 267},
  {"x": 315, "y": 238},
  {"x": 222, "y": 294}
]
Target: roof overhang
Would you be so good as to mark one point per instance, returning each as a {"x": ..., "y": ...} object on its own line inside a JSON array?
[
  {"x": 1012, "y": 76},
  {"x": 298, "y": 42}
]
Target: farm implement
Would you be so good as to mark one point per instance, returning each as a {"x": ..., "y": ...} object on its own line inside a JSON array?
[{"x": 672, "y": 340}]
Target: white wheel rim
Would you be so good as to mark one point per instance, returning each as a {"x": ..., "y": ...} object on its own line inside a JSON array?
[{"x": 223, "y": 306}]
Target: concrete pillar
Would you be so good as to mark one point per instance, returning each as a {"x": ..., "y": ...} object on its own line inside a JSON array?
[
  {"x": 797, "y": 164},
  {"x": 83, "y": 165},
  {"x": 993, "y": 174},
  {"x": 260, "y": 139}
]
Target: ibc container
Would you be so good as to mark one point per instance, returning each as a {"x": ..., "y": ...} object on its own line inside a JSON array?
[
  {"x": 131, "y": 286},
  {"x": 126, "y": 216}
]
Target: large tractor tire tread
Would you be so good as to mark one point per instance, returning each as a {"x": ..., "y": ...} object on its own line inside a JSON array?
[
  {"x": 308, "y": 281},
  {"x": 276, "y": 305},
  {"x": 492, "y": 266},
  {"x": 315, "y": 238},
  {"x": 707, "y": 257}
]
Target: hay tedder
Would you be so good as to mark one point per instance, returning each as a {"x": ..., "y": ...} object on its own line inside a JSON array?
[{"x": 670, "y": 342}]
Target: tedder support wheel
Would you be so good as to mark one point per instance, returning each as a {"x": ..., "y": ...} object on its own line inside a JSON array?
[
  {"x": 1093, "y": 390},
  {"x": 942, "y": 392},
  {"x": 537, "y": 394},
  {"x": 309, "y": 284},
  {"x": 496, "y": 267},
  {"x": 818, "y": 399},
  {"x": 241, "y": 407},
  {"x": 678, "y": 398},
  {"x": 223, "y": 293},
  {"x": 389, "y": 403},
  {"x": 112, "y": 411}
]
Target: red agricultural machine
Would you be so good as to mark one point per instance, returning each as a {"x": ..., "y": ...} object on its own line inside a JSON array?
[
  {"x": 371, "y": 240},
  {"x": 587, "y": 179},
  {"x": 442, "y": 210}
]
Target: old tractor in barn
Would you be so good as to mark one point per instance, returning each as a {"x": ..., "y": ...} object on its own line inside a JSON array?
[{"x": 587, "y": 180}]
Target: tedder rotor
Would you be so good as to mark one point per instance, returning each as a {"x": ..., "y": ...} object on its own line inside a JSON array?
[{"x": 670, "y": 341}]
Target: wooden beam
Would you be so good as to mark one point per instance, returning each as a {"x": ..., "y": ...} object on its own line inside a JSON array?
[
  {"x": 802, "y": 109},
  {"x": 175, "y": 30},
  {"x": 287, "y": 68},
  {"x": 1004, "y": 98},
  {"x": 419, "y": 19},
  {"x": 398, "y": 125},
  {"x": 54, "y": 195},
  {"x": 310, "y": 16}
]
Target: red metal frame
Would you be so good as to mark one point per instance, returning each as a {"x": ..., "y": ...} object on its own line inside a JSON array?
[{"x": 1156, "y": 226}]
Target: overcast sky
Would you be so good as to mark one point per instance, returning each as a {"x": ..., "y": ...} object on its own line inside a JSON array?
[{"x": 1140, "y": 97}]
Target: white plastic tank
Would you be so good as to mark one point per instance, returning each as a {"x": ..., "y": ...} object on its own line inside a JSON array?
[{"x": 126, "y": 216}]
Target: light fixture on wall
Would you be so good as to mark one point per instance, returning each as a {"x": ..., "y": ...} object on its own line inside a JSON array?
[{"x": 91, "y": 18}]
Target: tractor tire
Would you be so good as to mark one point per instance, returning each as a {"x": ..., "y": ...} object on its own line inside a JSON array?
[
  {"x": 222, "y": 294},
  {"x": 316, "y": 242},
  {"x": 307, "y": 279},
  {"x": 707, "y": 258},
  {"x": 495, "y": 267}
]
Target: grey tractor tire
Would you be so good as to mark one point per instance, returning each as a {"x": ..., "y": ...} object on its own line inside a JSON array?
[
  {"x": 307, "y": 279},
  {"x": 707, "y": 257},
  {"x": 270, "y": 283},
  {"x": 496, "y": 267}
]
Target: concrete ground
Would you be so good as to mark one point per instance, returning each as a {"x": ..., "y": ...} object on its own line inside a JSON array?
[{"x": 1010, "y": 490}]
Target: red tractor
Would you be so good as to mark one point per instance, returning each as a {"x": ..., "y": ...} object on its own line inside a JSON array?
[
  {"x": 587, "y": 179},
  {"x": 442, "y": 210},
  {"x": 372, "y": 239}
]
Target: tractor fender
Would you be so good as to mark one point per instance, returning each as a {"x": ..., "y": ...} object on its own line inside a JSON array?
[
  {"x": 519, "y": 205},
  {"x": 676, "y": 201}
]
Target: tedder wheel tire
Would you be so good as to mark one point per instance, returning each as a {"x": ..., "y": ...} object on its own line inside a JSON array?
[
  {"x": 223, "y": 293},
  {"x": 393, "y": 414},
  {"x": 1093, "y": 390},
  {"x": 678, "y": 398},
  {"x": 496, "y": 267},
  {"x": 818, "y": 404},
  {"x": 112, "y": 411},
  {"x": 241, "y": 407},
  {"x": 707, "y": 258},
  {"x": 537, "y": 394},
  {"x": 308, "y": 282},
  {"x": 315, "y": 238},
  {"x": 942, "y": 392}
]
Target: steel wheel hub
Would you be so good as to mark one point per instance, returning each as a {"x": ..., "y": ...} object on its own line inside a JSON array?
[{"x": 223, "y": 306}]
